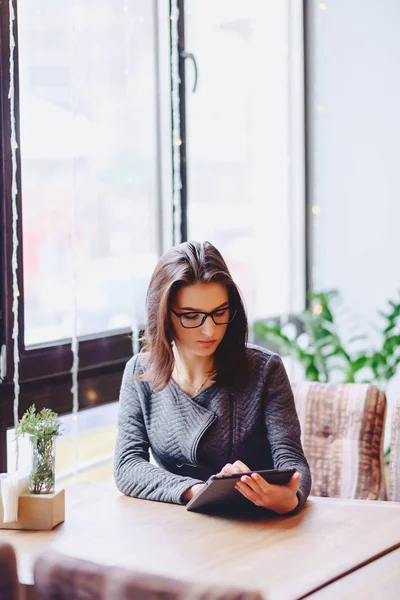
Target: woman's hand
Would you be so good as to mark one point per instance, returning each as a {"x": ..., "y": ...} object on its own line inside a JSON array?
[
  {"x": 280, "y": 498},
  {"x": 232, "y": 469},
  {"x": 192, "y": 491},
  {"x": 237, "y": 467}
]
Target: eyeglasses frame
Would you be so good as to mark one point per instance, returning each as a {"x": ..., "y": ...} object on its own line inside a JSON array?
[{"x": 205, "y": 316}]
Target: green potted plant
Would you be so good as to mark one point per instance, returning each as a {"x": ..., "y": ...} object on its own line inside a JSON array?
[
  {"x": 43, "y": 428},
  {"x": 318, "y": 346}
]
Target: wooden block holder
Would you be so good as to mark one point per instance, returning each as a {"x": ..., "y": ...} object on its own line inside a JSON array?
[{"x": 40, "y": 512}]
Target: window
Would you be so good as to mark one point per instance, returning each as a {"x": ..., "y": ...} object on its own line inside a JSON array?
[
  {"x": 245, "y": 144},
  {"x": 87, "y": 455},
  {"x": 92, "y": 118},
  {"x": 94, "y": 174},
  {"x": 87, "y": 104}
]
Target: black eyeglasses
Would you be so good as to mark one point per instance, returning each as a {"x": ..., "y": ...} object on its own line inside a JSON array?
[{"x": 191, "y": 320}]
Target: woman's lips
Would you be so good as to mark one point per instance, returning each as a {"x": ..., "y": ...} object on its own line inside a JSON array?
[{"x": 206, "y": 342}]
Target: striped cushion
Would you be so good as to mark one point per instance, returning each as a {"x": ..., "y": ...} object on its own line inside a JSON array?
[
  {"x": 342, "y": 434},
  {"x": 61, "y": 577},
  {"x": 394, "y": 486}
]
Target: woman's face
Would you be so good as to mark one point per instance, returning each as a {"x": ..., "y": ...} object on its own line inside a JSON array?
[{"x": 200, "y": 297}]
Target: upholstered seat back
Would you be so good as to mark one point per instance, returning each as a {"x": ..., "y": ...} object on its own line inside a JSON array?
[
  {"x": 59, "y": 577},
  {"x": 342, "y": 434},
  {"x": 9, "y": 586},
  {"x": 394, "y": 476}
]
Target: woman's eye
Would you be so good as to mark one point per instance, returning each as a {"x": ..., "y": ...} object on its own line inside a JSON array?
[
  {"x": 222, "y": 312},
  {"x": 191, "y": 316}
]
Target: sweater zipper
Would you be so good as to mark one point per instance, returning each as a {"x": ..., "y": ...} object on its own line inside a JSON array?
[
  {"x": 232, "y": 411},
  {"x": 201, "y": 433}
]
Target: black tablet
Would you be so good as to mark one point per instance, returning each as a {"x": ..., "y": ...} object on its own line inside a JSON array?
[{"x": 220, "y": 491}]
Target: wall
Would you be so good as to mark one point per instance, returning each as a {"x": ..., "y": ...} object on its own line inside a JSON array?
[{"x": 355, "y": 147}]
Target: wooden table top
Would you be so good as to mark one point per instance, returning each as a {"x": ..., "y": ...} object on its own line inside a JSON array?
[
  {"x": 284, "y": 558},
  {"x": 378, "y": 579}
]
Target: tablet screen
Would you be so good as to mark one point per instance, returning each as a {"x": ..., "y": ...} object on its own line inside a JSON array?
[{"x": 220, "y": 491}]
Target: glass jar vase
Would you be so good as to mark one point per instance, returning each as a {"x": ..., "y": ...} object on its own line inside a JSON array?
[{"x": 43, "y": 471}]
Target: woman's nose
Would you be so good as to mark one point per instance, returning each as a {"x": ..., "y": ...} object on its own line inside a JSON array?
[{"x": 208, "y": 327}]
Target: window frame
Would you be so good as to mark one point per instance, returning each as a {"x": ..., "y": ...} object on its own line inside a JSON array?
[
  {"x": 41, "y": 361},
  {"x": 45, "y": 372}
]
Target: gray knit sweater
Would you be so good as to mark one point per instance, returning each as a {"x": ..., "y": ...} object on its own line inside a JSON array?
[{"x": 192, "y": 438}]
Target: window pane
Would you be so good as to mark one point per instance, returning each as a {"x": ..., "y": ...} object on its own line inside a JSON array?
[
  {"x": 88, "y": 136},
  {"x": 94, "y": 444},
  {"x": 96, "y": 432},
  {"x": 237, "y": 139}
]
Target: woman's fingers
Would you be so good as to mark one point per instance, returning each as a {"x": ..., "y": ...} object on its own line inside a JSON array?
[
  {"x": 294, "y": 482},
  {"x": 256, "y": 483},
  {"x": 226, "y": 470},
  {"x": 230, "y": 469},
  {"x": 247, "y": 492},
  {"x": 280, "y": 498},
  {"x": 240, "y": 467}
]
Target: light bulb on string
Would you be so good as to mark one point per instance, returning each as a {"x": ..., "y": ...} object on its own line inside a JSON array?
[
  {"x": 176, "y": 124},
  {"x": 317, "y": 309},
  {"x": 74, "y": 238},
  {"x": 15, "y": 241}
]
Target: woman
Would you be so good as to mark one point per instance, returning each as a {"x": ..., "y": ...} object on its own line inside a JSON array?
[{"x": 200, "y": 399}]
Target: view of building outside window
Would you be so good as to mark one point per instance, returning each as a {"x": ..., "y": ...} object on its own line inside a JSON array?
[{"x": 237, "y": 140}]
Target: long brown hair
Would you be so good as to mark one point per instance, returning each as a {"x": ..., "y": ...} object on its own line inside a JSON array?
[{"x": 184, "y": 264}]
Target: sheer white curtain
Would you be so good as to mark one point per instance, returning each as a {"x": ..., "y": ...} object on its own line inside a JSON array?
[
  {"x": 96, "y": 182},
  {"x": 88, "y": 106}
]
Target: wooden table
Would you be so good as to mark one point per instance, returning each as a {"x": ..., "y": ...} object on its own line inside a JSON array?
[
  {"x": 378, "y": 579},
  {"x": 285, "y": 558}
]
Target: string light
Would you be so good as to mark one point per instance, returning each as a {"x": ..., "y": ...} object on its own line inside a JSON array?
[
  {"x": 319, "y": 110},
  {"x": 317, "y": 309},
  {"x": 176, "y": 125},
  {"x": 14, "y": 258},
  {"x": 91, "y": 395},
  {"x": 74, "y": 237}
]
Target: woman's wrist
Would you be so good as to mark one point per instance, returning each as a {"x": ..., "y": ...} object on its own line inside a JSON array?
[
  {"x": 287, "y": 507},
  {"x": 192, "y": 491}
]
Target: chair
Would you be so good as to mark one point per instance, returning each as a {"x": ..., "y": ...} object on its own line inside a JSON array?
[
  {"x": 9, "y": 586},
  {"x": 394, "y": 469},
  {"x": 59, "y": 577},
  {"x": 342, "y": 428}
]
